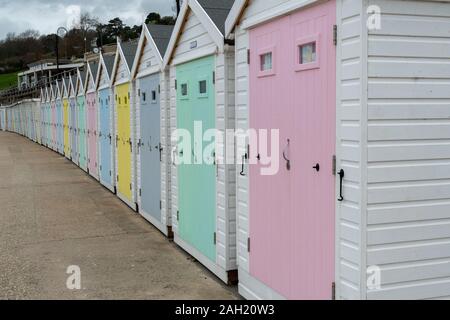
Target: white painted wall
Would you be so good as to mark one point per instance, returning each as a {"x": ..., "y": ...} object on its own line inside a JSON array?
[
  {"x": 408, "y": 149},
  {"x": 193, "y": 31}
]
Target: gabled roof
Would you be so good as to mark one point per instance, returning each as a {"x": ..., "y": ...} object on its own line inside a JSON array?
[
  {"x": 109, "y": 63},
  {"x": 105, "y": 66},
  {"x": 91, "y": 74},
  {"x": 51, "y": 91},
  {"x": 126, "y": 51},
  {"x": 212, "y": 15},
  {"x": 156, "y": 36},
  {"x": 72, "y": 85},
  {"x": 65, "y": 86},
  {"x": 218, "y": 11},
  {"x": 59, "y": 88},
  {"x": 161, "y": 36},
  {"x": 81, "y": 78},
  {"x": 47, "y": 94}
]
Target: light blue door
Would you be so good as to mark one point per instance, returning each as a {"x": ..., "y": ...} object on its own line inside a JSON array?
[
  {"x": 105, "y": 138},
  {"x": 150, "y": 146}
]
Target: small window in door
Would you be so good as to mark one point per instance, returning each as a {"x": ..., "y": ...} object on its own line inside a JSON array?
[
  {"x": 184, "y": 90},
  {"x": 202, "y": 87},
  {"x": 144, "y": 96},
  {"x": 266, "y": 61},
  {"x": 307, "y": 53},
  {"x": 154, "y": 96}
]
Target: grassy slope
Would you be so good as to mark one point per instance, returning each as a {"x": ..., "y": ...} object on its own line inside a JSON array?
[{"x": 8, "y": 80}]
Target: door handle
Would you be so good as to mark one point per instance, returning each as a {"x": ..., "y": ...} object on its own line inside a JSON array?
[
  {"x": 341, "y": 177},
  {"x": 317, "y": 167},
  {"x": 243, "y": 167},
  {"x": 288, "y": 161}
]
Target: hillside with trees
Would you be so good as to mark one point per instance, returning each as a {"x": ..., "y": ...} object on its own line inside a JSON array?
[{"x": 19, "y": 50}]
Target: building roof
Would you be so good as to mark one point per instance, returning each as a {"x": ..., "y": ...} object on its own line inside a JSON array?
[
  {"x": 82, "y": 76},
  {"x": 129, "y": 49},
  {"x": 109, "y": 62},
  {"x": 161, "y": 35},
  {"x": 218, "y": 11},
  {"x": 93, "y": 65}
]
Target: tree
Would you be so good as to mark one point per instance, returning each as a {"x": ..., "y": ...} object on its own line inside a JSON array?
[{"x": 153, "y": 18}]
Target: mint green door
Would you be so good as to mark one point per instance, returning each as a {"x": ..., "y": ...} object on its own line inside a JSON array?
[{"x": 197, "y": 181}]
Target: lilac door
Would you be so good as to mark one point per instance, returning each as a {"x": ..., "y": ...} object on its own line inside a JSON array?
[
  {"x": 292, "y": 88},
  {"x": 92, "y": 133}
]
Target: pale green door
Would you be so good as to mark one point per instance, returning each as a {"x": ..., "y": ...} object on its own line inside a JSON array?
[{"x": 197, "y": 181}]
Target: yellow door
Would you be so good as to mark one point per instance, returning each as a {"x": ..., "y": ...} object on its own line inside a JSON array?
[
  {"x": 66, "y": 127},
  {"x": 124, "y": 147}
]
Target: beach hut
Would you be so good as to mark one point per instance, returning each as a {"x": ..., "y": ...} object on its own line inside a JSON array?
[
  {"x": 124, "y": 122},
  {"x": 105, "y": 121},
  {"x": 2, "y": 119},
  {"x": 42, "y": 106},
  {"x": 91, "y": 102},
  {"x": 73, "y": 132},
  {"x": 45, "y": 118},
  {"x": 151, "y": 94},
  {"x": 52, "y": 94},
  {"x": 201, "y": 66},
  {"x": 60, "y": 115},
  {"x": 66, "y": 111},
  {"x": 81, "y": 119},
  {"x": 359, "y": 207},
  {"x": 48, "y": 117}
]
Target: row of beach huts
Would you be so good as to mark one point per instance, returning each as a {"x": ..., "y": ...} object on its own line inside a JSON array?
[{"x": 352, "y": 199}]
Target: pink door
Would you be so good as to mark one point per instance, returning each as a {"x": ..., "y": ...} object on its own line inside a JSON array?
[
  {"x": 292, "y": 216},
  {"x": 92, "y": 133}
]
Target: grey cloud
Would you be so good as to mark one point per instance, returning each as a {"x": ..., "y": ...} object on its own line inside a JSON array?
[{"x": 47, "y": 15}]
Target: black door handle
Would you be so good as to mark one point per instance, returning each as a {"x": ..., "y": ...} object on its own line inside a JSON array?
[
  {"x": 288, "y": 161},
  {"x": 317, "y": 167},
  {"x": 243, "y": 168},
  {"x": 341, "y": 176}
]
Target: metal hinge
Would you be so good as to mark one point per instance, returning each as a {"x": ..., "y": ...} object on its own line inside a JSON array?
[
  {"x": 176, "y": 85},
  {"x": 159, "y": 88},
  {"x": 248, "y": 244},
  {"x": 117, "y": 178},
  {"x": 178, "y": 215},
  {"x": 214, "y": 77},
  {"x": 335, "y": 35},
  {"x": 333, "y": 291},
  {"x": 334, "y": 165},
  {"x": 140, "y": 192},
  {"x": 131, "y": 187},
  {"x": 215, "y": 238},
  {"x": 110, "y": 173},
  {"x": 248, "y": 56},
  {"x": 160, "y": 205}
]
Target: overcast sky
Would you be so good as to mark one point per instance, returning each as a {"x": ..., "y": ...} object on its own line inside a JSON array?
[{"x": 47, "y": 15}]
